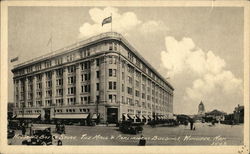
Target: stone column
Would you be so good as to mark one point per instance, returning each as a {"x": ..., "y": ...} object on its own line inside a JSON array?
[
  {"x": 34, "y": 90},
  {"x": 53, "y": 87},
  {"x": 93, "y": 81},
  {"x": 150, "y": 94},
  {"x": 140, "y": 95},
  {"x": 102, "y": 79},
  {"x": 146, "y": 90},
  {"x": 125, "y": 86},
  {"x": 119, "y": 86},
  {"x": 133, "y": 94},
  {"x": 43, "y": 89},
  {"x": 26, "y": 92},
  {"x": 78, "y": 83},
  {"x": 65, "y": 85},
  {"x": 19, "y": 93},
  {"x": 15, "y": 92}
]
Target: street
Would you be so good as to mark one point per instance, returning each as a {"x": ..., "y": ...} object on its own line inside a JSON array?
[{"x": 204, "y": 134}]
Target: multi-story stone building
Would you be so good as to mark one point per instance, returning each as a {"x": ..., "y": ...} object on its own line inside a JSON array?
[{"x": 102, "y": 77}]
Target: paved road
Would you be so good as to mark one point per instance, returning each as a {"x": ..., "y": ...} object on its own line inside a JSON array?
[{"x": 205, "y": 134}]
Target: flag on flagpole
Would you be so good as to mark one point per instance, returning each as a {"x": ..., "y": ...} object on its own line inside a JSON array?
[
  {"x": 107, "y": 20},
  {"x": 14, "y": 59}
]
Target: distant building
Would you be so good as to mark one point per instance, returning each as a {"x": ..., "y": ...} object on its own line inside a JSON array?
[
  {"x": 239, "y": 114},
  {"x": 216, "y": 114},
  {"x": 201, "y": 109}
]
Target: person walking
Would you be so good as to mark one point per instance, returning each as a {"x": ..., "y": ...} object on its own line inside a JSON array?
[
  {"x": 31, "y": 125},
  {"x": 23, "y": 129},
  {"x": 142, "y": 141},
  {"x": 191, "y": 124}
]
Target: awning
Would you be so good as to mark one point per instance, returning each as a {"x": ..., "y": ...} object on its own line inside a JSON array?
[
  {"x": 139, "y": 117},
  {"x": 174, "y": 117},
  {"x": 170, "y": 117},
  {"x": 150, "y": 117},
  {"x": 131, "y": 116},
  {"x": 94, "y": 116},
  {"x": 28, "y": 116},
  {"x": 145, "y": 117},
  {"x": 71, "y": 116},
  {"x": 125, "y": 115},
  {"x": 159, "y": 117}
]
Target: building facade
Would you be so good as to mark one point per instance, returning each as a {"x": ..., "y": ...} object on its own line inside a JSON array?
[{"x": 103, "y": 76}]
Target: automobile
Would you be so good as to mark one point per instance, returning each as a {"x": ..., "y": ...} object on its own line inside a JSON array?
[
  {"x": 39, "y": 136},
  {"x": 152, "y": 123},
  {"x": 172, "y": 122},
  {"x": 183, "y": 119},
  {"x": 228, "y": 122},
  {"x": 60, "y": 128},
  {"x": 131, "y": 127},
  {"x": 11, "y": 133},
  {"x": 14, "y": 124}
]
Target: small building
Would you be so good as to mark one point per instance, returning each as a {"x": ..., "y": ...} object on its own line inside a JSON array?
[
  {"x": 216, "y": 114},
  {"x": 239, "y": 114}
]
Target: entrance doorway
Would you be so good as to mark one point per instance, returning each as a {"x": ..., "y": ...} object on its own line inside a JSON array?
[
  {"x": 47, "y": 115},
  {"x": 112, "y": 115}
]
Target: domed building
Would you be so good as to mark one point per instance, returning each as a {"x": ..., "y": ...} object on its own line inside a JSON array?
[{"x": 201, "y": 109}]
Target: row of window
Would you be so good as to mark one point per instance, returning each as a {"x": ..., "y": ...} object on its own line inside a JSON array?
[
  {"x": 86, "y": 76},
  {"x": 71, "y": 80},
  {"x": 86, "y": 88},
  {"x": 86, "y": 65},
  {"x": 111, "y": 99},
  {"x": 86, "y": 110},
  {"x": 144, "y": 68},
  {"x": 31, "y": 111}
]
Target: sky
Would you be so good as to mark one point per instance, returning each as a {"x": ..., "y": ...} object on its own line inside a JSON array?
[{"x": 200, "y": 49}]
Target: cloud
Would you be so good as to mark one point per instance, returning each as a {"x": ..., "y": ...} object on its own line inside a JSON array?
[
  {"x": 210, "y": 79},
  {"x": 121, "y": 23},
  {"x": 183, "y": 55},
  {"x": 152, "y": 26},
  {"x": 224, "y": 83}
]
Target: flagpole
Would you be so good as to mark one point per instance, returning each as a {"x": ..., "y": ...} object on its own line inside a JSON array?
[
  {"x": 51, "y": 42},
  {"x": 111, "y": 22}
]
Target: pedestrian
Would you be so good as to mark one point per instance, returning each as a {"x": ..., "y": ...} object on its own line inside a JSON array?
[
  {"x": 59, "y": 142},
  {"x": 107, "y": 123},
  {"x": 213, "y": 122},
  {"x": 23, "y": 129},
  {"x": 191, "y": 124},
  {"x": 31, "y": 129},
  {"x": 63, "y": 128},
  {"x": 57, "y": 127},
  {"x": 142, "y": 141}
]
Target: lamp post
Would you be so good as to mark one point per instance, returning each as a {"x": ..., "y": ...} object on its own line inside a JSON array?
[
  {"x": 97, "y": 109},
  {"x": 54, "y": 110}
]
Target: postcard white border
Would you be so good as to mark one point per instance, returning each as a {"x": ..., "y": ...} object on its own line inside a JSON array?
[{"x": 120, "y": 149}]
